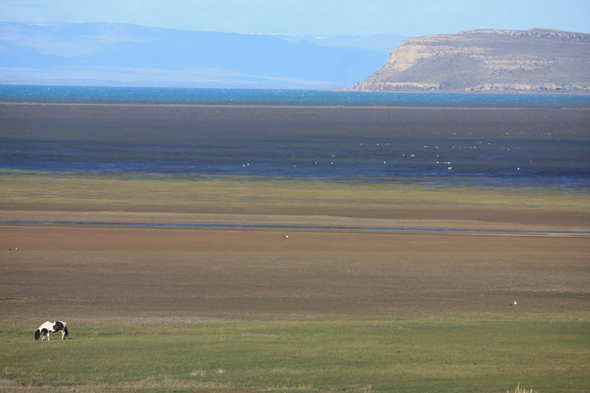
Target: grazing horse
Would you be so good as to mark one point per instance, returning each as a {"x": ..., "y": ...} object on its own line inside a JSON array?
[{"x": 52, "y": 327}]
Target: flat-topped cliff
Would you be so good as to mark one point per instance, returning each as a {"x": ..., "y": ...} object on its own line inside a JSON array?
[{"x": 487, "y": 60}]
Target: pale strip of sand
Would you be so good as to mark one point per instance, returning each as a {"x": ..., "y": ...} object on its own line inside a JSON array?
[{"x": 136, "y": 276}]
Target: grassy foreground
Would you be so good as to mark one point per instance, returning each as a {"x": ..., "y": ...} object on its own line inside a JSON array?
[{"x": 486, "y": 353}]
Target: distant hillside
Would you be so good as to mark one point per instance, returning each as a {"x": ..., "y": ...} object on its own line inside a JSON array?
[
  {"x": 487, "y": 60},
  {"x": 131, "y": 55},
  {"x": 376, "y": 42}
]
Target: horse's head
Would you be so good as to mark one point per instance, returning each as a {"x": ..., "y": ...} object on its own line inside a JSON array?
[
  {"x": 65, "y": 331},
  {"x": 37, "y": 334}
]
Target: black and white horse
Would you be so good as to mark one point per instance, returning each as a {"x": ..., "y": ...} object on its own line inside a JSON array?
[{"x": 52, "y": 327}]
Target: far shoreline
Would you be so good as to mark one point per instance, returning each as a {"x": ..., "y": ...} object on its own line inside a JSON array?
[
  {"x": 319, "y": 90},
  {"x": 274, "y": 106},
  {"x": 476, "y": 92}
]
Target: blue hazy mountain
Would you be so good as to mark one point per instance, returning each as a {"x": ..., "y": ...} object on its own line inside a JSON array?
[
  {"x": 125, "y": 54},
  {"x": 376, "y": 42}
]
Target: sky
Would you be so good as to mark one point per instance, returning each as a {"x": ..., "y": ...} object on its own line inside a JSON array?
[{"x": 311, "y": 17}]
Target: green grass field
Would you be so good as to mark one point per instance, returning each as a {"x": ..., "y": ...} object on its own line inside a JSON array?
[
  {"x": 484, "y": 353},
  {"x": 125, "y": 190}
]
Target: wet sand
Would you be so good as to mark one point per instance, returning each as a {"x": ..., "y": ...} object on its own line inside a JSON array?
[{"x": 105, "y": 122}]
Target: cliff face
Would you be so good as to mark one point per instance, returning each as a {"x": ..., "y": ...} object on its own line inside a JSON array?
[{"x": 487, "y": 60}]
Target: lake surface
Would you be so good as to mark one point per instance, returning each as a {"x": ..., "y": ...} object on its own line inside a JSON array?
[
  {"x": 538, "y": 145},
  {"x": 152, "y": 95}
]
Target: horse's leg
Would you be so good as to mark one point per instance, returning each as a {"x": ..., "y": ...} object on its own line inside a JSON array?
[
  {"x": 48, "y": 338},
  {"x": 63, "y": 334}
]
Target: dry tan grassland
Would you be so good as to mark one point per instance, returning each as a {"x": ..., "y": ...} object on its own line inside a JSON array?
[{"x": 124, "y": 275}]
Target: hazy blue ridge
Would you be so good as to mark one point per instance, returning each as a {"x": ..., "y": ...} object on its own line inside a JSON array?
[
  {"x": 377, "y": 42},
  {"x": 109, "y": 51}
]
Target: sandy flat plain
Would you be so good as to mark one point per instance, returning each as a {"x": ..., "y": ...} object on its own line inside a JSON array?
[{"x": 90, "y": 275}]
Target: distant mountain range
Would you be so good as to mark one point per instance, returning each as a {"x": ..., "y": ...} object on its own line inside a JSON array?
[
  {"x": 131, "y": 55},
  {"x": 538, "y": 60},
  {"x": 375, "y": 42}
]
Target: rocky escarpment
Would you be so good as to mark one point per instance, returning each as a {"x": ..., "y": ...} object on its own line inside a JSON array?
[{"x": 487, "y": 60}]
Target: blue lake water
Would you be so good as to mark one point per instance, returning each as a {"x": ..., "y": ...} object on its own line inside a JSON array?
[
  {"x": 86, "y": 94},
  {"x": 540, "y": 145}
]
